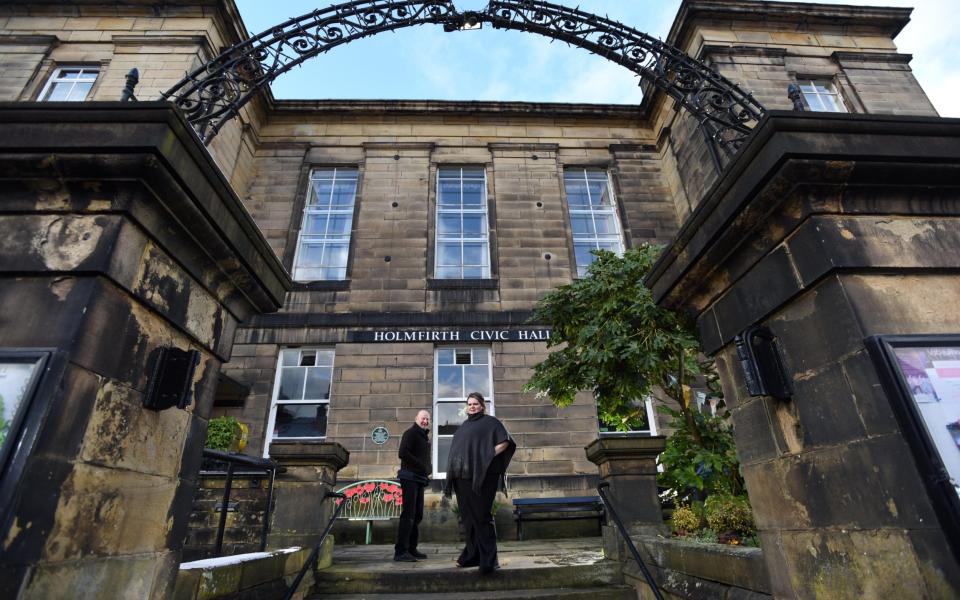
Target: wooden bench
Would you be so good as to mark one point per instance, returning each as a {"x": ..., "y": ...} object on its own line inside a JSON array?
[
  {"x": 553, "y": 509},
  {"x": 371, "y": 500}
]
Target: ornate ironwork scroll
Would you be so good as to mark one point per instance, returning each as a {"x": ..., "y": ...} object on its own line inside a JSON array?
[
  {"x": 214, "y": 93},
  {"x": 725, "y": 113}
]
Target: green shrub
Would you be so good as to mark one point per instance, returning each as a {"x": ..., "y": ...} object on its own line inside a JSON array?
[
  {"x": 222, "y": 432},
  {"x": 685, "y": 520},
  {"x": 727, "y": 513}
]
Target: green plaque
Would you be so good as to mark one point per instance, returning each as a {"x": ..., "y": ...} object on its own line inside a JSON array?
[{"x": 380, "y": 435}]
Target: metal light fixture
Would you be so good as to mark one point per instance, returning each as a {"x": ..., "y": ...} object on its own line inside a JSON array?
[
  {"x": 170, "y": 378},
  {"x": 763, "y": 370}
]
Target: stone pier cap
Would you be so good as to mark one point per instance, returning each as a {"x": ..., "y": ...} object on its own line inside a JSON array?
[
  {"x": 91, "y": 143},
  {"x": 755, "y": 221}
]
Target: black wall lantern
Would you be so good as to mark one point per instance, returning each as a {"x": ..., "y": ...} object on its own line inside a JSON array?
[
  {"x": 170, "y": 378},
  {"x": 762, "y": 363}
]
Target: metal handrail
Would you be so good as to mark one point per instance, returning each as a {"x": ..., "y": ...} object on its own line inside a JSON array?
[
  {"x": 316, "y": 549},
  {"x": 601, "y": 489},
  {"x": 265, "y": 464}
]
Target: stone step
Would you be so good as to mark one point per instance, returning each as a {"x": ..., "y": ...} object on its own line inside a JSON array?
[
  {"x": 610, "y": 592},
  {"x": 561, "y": 564}
]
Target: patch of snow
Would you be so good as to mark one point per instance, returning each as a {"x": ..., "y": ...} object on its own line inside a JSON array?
[{"x": 210, "y": 563}]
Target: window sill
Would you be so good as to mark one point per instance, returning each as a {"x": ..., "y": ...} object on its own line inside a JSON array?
[
  {"x": 462, "y": 284},
  {"x": 321, "y": 286}
]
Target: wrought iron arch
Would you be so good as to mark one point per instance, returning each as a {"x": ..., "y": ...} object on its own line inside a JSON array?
[{"x": 214, "y": 93}]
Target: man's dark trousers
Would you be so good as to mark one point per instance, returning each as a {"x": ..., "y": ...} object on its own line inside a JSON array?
[{"x": 408, "y": 532}]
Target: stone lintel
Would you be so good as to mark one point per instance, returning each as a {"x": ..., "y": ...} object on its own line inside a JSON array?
[
  {"x": 111, "y": 139},
  {"x": 759, "y": 202},
  {"x": 891, "y": 57}
]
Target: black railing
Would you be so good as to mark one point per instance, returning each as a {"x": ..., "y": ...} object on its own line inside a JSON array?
[
  {"x": 602, "y": 489},
  {"x": 264, "y": 464},
  {"x": 316, "y": 549}
]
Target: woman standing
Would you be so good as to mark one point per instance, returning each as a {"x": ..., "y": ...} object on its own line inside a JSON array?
[{"x": 479, "y": 456}]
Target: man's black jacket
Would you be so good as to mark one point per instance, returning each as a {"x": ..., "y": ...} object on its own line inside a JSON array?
[{"x": 415, "y": 451}]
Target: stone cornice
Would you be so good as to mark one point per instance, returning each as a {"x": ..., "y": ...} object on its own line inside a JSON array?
[
  {"x": 891, "y": 20},
  {"x": 562, "y": 110}
]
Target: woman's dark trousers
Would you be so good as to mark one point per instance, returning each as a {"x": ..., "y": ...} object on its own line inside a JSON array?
[
  {"x": 408, "y": 532},
  {"x": 476, "y": 513}
]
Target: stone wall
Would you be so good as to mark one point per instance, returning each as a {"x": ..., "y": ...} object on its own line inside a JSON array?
[{"x": 693, "y": 571}]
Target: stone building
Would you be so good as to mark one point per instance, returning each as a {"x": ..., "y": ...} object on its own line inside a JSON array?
[{"x": 419, "y": 234}]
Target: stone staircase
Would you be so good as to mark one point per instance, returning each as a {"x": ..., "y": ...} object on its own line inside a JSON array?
[{"x": 561, "y": 569}]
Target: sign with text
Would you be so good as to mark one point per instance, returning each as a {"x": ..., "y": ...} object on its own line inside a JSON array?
[{"x": 454, "y": 335}]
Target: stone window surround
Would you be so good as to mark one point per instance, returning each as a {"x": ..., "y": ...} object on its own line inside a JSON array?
[
  {"x": 49, "y": 68},
  {"x": 613, "y": 185},
  {"x": 296, "y": 222},
  {"x": 483, "y": 237},
  {"x": 488, "y": 170},
  {"x": 274, "y": 402},
  {"x": 329, "y": 213},
  {"x": 830, "y": 81},
  {"x": 435, "y": 421}
]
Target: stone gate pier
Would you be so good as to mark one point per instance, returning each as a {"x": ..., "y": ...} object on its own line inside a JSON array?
[
  {"x": 828, "y": 229},
  {"x": 119, "y": 236}
]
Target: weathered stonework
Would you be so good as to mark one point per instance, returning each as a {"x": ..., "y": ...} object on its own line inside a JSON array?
[
  {"x": 100, "y": 263},
  {"x": 825, "y": 252}
]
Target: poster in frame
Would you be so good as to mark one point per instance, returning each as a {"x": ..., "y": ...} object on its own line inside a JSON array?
[{"x": 921, "y": 377}]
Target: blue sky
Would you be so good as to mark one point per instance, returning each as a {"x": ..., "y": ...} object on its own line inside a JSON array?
[{"x": 428, "y": 63}]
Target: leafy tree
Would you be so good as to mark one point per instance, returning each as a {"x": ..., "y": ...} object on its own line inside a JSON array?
[{"x": 611, "y": 338}]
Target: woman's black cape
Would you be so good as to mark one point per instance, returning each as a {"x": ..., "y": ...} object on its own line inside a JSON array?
[{"x": 472, "y": 452}]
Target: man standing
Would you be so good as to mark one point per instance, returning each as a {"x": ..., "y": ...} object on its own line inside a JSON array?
[{"x": 414, "y": 471}]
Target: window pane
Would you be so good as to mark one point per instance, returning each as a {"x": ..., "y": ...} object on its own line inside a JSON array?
[
  {"x": 325, "y": 358},
  {"x": 599, "y": 194},
  {"x": 323, "y": 173},
  {"x": 449, "y": 193},
  {"x": 321, "y": 193},
  {"x": 300, "y": 420},
  {"x": 577, "y": 194},
  {"x": 314, "y": 225},
  {"x": 308, "y": 358},
  {"x": 472, "y": 273},
  {"x": 597, "y": 174},
  {"x": 581, "y": 224},
  {"x": 445, "y": 356},
  {"x": 611, "y": 246},
  {"x": 449, "y": 272},
  {"x": 318, "y": 384},
  {"x": 832, "y": 104},
  {"x": 464, "y": 357},
  {"x": 339, "y": 225},
  {"x": 473, "y": 194},
  {"x": 477, "y": 379},
  {"x": 449, "y": 172},
  {"x": 336, "y": 255},
  {"x": 606, "y": 223},
  {"x": 449, "y": 416},
  {"x": 291, "y": 383},
  {"x": 343, "y": 192},
  {"x": 449, "y": 382},
  {"x": 583, "y": 256},
  {"x": 473, "y": 254},
  {"x": 473, "y": 224},
  {"x": 479, "y": 356},
  {"x": 815, "y": 104},
  {"x": 443, "y": 452},
  {"x": 473, "y": 172},
  {"x": 288, "y": 358},
  {"x": 310, "y": 255},
  {"x": 80, "y": 91},
  {"x": 59, "y": 92},
  {"x": 448, "y": 253},
  {"x": 449, "y": 224}
]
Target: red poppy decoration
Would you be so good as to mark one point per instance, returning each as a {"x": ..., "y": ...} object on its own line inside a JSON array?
[
  {"x": 369, "y": 487},
  {"x": 388, "y": 498},
  {"x": 349, "y": 493},
  {"x": 399, "y": 501},
  {"x": 384, "y": 486},
  {"x": 393, "y": 489},
  {"x": 364, "y": 500},
  {"x": 339, "y": 501}
]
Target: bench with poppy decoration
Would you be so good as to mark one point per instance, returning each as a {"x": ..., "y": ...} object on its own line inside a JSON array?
[{"x": 371, "y": 500}]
